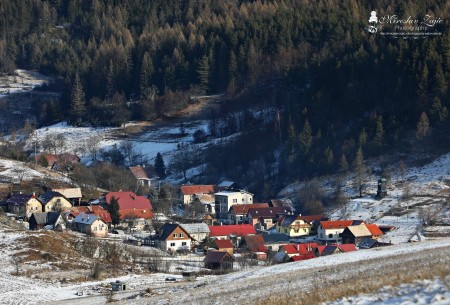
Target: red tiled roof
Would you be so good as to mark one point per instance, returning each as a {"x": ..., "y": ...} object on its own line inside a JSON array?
[
  {"x": 103, "y": 215},
  {"x": 129, "y": 200},
  {"x": 255, "y": 243},
  {"x": 144, "y": 172},
  {"x": 347, "y": 247},
  {"x": 198, "y": 189},
  {"x": 243, "y": 208},
  {"x": 223, "y": 243},
  {"x": 135, "y": 213},
  {"x": 240, "y": 230},
  {"x": 297, "y": 258},
  {"x": 336, "y": 224},
  {"x": 374, "y": 229},
  {"x": 302, "y": 249},
  {"x": 320, "y": 249}
]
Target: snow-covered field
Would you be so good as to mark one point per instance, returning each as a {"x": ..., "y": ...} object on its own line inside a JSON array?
[
  {"x": 435, "y": 291},
  {"x": 226, "y": 289},
  {"x": 21, "y": 81}
]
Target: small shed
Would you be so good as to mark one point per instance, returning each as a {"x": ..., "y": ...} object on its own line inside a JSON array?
[
  {"x": 189, "y": 275},
  {"x": 261, "y": 256},
  {"x": 118, "y": 286},
  {"x": 219, "y": 260}
]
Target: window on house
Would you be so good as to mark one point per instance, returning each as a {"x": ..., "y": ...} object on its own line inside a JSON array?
[
  {"x": 330, "y": 235},
  {"x": 183, "y": 243},
  {"x": 172, "y": 244},
  {"x": 234, "y": 200},
  {"x": 175, "y": 235},
  {"x": 304, "y": 230},
  {"x": 95, "y": 228},
  {"x": 181, "y": 235}
]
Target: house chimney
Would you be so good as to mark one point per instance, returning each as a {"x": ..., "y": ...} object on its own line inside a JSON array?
[
  {"x": 34, "y": 195},
  {"x": 82, "y": 216},
  {"x": 88, "y": 217}
]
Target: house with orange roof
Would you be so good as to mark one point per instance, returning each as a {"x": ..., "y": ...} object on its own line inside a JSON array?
[
  {"x": 145, "y": 175},
  {"x": 224, "y": 245},
  {"x": 329, "y": 231},
  {"x": 189, "y": 193},
  {"x": 238, "y": 213},
  {"x": 374, "y": 230}
]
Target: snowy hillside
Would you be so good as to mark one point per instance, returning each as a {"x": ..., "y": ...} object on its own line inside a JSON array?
[{"x": 428, "y": 187}]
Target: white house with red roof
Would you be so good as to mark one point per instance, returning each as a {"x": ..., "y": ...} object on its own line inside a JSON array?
[
  {"x": 329, "y": 231},
  {"x": 189, "y": 193},
  {"x": 135, "y": 210}
]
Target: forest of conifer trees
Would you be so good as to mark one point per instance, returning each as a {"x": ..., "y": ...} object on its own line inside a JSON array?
[{"x": 140, "y": 59}]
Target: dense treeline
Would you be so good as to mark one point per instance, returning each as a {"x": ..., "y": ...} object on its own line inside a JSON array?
[{"x": 342, "y": 87}]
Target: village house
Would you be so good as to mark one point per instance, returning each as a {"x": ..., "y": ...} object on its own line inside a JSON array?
[
  {"x": 219, "y": 260},
  {"x": 198, "y": 231},
  {"x": 54, "y": 201},
  {"x": 293, "y": 226},
  {"x": 135, "y": 211},
  {"x": 297, "y": 252},
  {"x": 374, "y": 230},
  {"x": 233, "y": 232},
  {"x": 71, "y": 194},
  {"x": 369, "y": 243},
  {"x": 90, "y": 224},
  {"x": 224, "y": 200},
  {"x": 189, "y": 193},
  {"x": 354, "y": 234},
  {"x": 266, "y": 217},
  {"x": 334, "y": 249},
  {"x": 208, "y": 219},
  {"x": 329, "y": 231},
  {"x": 93, "y": 209},
  {"x": 145, "y": 175},
  {"x": 272, "y": 242},
  {"x": 254, "y": 243},
  {"x": 48, "y": 220},
  {"x": 23, "y": 205},
  {"x": 314, "y": 220},
  {"x": 59, "y": 162},
  {"x": 224, "y": 245},
  {"x": 238, "y": 213},
  {"x": 173, "y": 238}
]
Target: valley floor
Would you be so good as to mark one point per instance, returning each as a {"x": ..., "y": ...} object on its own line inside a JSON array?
[{"x": 313, "y": 281}]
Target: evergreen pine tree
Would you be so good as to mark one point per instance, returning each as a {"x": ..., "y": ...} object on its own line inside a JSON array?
[
  {"x": 378, "y": 140},
  {"x": 114, "y": 211},
  {"x": 77, "y": 110},
  {"x": 423, "y": 126},
  {"x": 343, "y": 163},
  {"x": 360, "y": 169},
  {"x": 306, "y": 138},
  {"x": 160, "y": 167},
  {"x": 204, "y": 72}
]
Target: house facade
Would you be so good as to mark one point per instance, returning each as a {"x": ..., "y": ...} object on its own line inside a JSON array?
[
  {"x": 238, "y": 214},
  {"x": 266, "y": 217},
  {"x": 329, "y": 231},
  {"x": 54, "y": 201},
  {"x": 23, "y": 205},
  {"x": 173, "y": 237},
  {"x": 72, "y": 194},
  {"x": 145, "y": 175},
  {"x": 198, "y": 231},
  {"x": 293, "y": 226},
  {"x": 219, "y": 260},
  {"x": 226, "y": 199},
  {"x": 39, "y": 220},
  {"x": 355, "y": 234},
  {"x": 189, "y": 193},
  {"x": 90, "y": 224}
]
